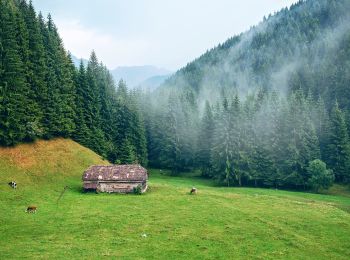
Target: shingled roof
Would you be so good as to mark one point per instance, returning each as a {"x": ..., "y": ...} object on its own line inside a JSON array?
[{"x": 132, "y": 172}]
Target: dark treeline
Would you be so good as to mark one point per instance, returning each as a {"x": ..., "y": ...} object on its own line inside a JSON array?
[{"x": 43, "y": 95}]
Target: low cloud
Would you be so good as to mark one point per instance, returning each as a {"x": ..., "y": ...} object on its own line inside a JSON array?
[{"x": 81, "y": 40}]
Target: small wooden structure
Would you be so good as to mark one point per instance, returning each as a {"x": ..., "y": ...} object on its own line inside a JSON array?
[{"x": 115, "y": 178}]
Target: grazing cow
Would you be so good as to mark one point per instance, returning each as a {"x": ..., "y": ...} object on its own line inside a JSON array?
[
  {"x": 31, "y": 209},
  {"x": 13, "y": 184},
  {"x": 193, "y": 190}
]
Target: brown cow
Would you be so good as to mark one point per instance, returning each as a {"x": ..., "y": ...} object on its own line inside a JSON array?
[
  {"x": 193, "y": 191},
  {"x": 31, "y": 209}
]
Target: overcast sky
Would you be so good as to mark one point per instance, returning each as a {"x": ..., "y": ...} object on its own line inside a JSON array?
[{"x": 163, "y": 33}]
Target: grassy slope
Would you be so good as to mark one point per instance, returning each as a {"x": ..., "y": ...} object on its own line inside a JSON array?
[
  {"x": 45, "y": 162},
  {"x": 216, "y": 223}
]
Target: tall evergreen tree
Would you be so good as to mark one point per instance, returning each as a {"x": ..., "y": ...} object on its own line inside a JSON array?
[
  {"x": 36, "y": 66},
  {"x": 205, "y": 140},
  {"x": 82, "y": 133},
  {"x": 338, "y": 150},
  {"x": 14, "y": 119}
]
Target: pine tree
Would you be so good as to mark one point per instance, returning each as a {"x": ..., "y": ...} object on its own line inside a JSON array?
[
  {"x": 139, "y": 135},
  {"x": 238, "y": 143},
  {"x": 263, "y": 169},
  {"x": 82, "y": 133},
  {"x": 225, "y": 149},
  {"x": 205, "y": 139},
  {"x": 52, "y": 115},
  {"x": 128, "y": 135},
  {"x": 14, "y": 119},
  {"x": 92, "y": 75},
  {"x": 338, "y": 150},
  {"x": 108, "y": 98},
  {"x": 127, "y": 153},
  {"x": 322, "y": 125},
  {"x": 307, "y": 141},
  {"x": 155, "y": 131},
  {"x": 172, "y": 138},
  {"x": 58, "y": 119},
  {"x": 36, "y": 67}
]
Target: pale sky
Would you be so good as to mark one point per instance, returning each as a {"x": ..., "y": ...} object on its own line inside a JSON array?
[{"x": 163, "y": 33}]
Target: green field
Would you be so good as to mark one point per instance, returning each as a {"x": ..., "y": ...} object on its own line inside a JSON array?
[{"x": 217, "y": 223}]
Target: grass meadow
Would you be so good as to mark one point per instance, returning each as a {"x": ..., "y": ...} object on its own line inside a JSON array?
[{"x": 164, "y": 223}]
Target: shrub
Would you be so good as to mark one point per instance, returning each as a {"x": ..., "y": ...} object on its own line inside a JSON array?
[
  {"x": 320, "y": 176},
  {"x": 137, "y": 190}
]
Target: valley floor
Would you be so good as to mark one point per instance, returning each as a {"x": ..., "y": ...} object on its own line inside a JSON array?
[{"x": 168, "y": 223}]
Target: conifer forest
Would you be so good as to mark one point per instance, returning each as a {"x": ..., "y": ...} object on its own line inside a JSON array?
[{"x": 267, "y": 108}]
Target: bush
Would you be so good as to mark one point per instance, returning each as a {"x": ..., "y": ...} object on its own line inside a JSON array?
[
  {"x": 137, "y": 190},
  {"x": 320, "y": 176}
]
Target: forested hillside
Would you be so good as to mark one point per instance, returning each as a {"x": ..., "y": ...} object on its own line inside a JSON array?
[
  {"x": 266, "y": 107},
  {"x": 304, "y": 47},
  {"x": 43, "y": 95},
  {"x": 269, "y": 107}
]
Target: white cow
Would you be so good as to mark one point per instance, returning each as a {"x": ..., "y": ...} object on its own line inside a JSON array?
[{"x": 13, "y": 184}]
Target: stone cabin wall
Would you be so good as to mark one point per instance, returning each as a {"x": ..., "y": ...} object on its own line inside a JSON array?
[{"x": 118, "y": 187}]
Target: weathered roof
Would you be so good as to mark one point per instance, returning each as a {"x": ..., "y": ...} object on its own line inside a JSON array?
[{"x": 130, "y": 172}]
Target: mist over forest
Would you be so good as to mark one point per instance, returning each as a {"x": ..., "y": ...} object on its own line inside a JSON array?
[
  {"x": 265, "y": 108},
  {"x": 260, "y": 107}
]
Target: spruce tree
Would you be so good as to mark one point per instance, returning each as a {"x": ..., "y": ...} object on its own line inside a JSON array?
[
  {"x": 51, "y": 118},
  {"x": 14, "y": 119},
  {"x": 172, "y": 137},
  {"x": 225, "y": 149},
  {"x": 205, "y": 139},
  {"x": 82, "y": 133},
  {"x": 237, "y": 135},
  {"x": 36, "y": 66},
  {"x": 338, "y": 149}
]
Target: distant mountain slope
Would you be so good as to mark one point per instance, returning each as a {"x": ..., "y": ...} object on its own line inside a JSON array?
[
  {"x": 77, "y": 61},
  {"x": 45, "y": 161},
  {"x": 153, "y": 82},
  {"x": 134, "y": 75},
  {"x": 306, "y": 46},
  {"x": 145, "y": 77}
]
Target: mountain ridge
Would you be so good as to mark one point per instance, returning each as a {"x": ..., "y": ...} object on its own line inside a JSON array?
[
  {"x": 135, "y": 75},
  {"x": 147, "y": 77},
  {"x": 278, "y": 53}
]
